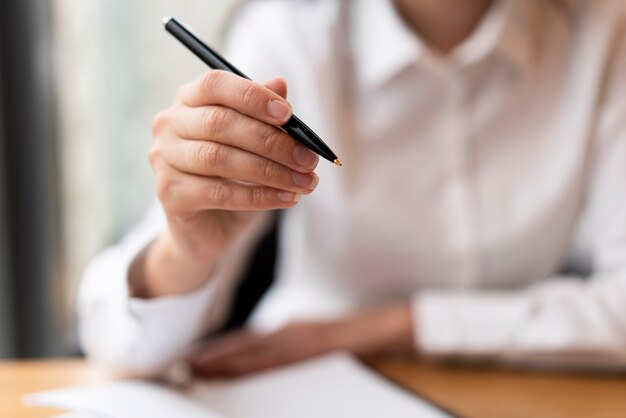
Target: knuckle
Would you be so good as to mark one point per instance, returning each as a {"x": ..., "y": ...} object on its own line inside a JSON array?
[
  {"x": 158, "y": 123},
  {"x": 221, "y": 193},
  {"x": 257, "y": 197},
  {"x": 270, "y": 140},
  {"x": 154, "y": 155},
  {"x": 206, "y": 154},
  {"x": 210, "y": 154},
  {"x": 216, "y": 120},
  {"x": 249, "y": 94},
  {"x": 210, "y": 80},
  {"x": 269, "y": 169}
]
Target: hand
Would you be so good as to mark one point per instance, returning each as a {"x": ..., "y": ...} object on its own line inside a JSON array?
[
  {"x": 362, "y": 334},
  {"x": 219, "y": 159}
]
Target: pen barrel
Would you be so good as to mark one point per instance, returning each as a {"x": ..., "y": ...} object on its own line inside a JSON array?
[
  {"x": 200, "y": 49},
  {"x": 294, "y": 126},
  {"x": 305, "y": 135}
]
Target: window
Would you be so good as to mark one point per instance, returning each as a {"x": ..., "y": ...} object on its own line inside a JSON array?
[{"x": 109, "y": 67}]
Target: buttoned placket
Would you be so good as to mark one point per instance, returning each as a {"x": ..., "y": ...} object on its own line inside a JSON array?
[{"x": 460, "y": 207}]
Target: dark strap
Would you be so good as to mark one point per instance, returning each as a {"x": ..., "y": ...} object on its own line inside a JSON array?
[{"x": 257, "y": 278}]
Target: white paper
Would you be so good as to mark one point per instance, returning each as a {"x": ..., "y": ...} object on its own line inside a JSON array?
[
  {"x": 123, "y": 399},
  {"x": 330, "y": 386}
]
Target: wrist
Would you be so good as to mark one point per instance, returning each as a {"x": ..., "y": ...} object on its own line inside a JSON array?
[
  {"x": 164, "y": 268},
  {"x": 396, "y": 326}
]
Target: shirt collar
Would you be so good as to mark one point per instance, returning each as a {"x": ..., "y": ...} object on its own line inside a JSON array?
[
  {"x": 383, "y": 45},
  {"x": 515, "y": 41},
  {"x": 505, "y": 32}
]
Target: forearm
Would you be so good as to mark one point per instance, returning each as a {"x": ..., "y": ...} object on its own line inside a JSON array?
[
  {"x": 563, "y": 321},
  {"x": 383, "y": 330}
]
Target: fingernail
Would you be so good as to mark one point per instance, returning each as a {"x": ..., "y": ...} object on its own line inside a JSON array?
[
  {"x": 305, "y": 180},
  {"x": 288, "y": 197},
  {"x": 316, "y": 180},
  {"x": 279, "y": 110},
  {"x": 305, "y": 157}
]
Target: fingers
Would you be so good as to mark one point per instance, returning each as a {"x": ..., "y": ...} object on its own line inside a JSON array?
[
  {"x": 278, "y": 85},
  {"x": 219, "y": 148},
  {"x": 182, "y": 193},
  {"x": 211, "y": 159},
  {"x": 229, "y": 127},
  {"x": 246, "y": 362},
  {"x": 238, "y": 354},
  {"x": 235, "y": 147},
  {"x": 243, "y": 352},
  {"x": 229, "y": 90},
  {"x": 226, "y": 345}
]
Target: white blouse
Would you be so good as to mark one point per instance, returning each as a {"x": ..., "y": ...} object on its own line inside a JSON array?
[{"x": 470, "y": 182}]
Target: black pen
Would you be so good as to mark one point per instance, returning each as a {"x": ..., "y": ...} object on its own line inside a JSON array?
[{"x": 294, "y": 126}]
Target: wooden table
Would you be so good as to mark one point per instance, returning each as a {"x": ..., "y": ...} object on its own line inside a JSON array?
[{"x": 469, "y": 392}]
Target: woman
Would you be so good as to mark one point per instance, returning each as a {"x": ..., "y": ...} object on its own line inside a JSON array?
[{"x": 484, "y": 149}]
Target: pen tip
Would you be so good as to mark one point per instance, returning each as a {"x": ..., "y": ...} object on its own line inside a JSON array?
[
  {"x": 338, "y": 162},
  {"x": 166, "y": 19}
]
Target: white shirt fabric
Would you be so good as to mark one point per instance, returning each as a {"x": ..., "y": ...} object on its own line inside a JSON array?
[{"x": 469, "y": 182}]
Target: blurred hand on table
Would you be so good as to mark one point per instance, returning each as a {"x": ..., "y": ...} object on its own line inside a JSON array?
[{"x": 365, "y": 333}]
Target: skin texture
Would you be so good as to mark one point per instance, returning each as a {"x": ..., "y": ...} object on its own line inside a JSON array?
[{"x": 220, "y": 161}]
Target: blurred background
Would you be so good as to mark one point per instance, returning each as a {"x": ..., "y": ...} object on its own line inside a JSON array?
[{"x": 79, "y": 84}]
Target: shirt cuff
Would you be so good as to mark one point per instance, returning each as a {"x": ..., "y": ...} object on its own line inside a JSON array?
[
  {"x": 452, "y": 323},
  {"x": 136, "y": 336},
  {"x": 173, "y": 321}
]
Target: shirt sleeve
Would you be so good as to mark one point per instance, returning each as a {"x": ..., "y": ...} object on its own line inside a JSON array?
[
  {"x": 561, "y": 321},
  {"x": 132, "y": 336}
]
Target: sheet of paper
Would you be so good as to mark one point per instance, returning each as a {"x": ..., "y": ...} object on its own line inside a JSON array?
[
  {"x": 123, "y": 399},
  {"x": 331, "y": 386}
]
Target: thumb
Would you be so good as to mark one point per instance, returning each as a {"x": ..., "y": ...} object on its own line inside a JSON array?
[{"x": 278, "y": 85}]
